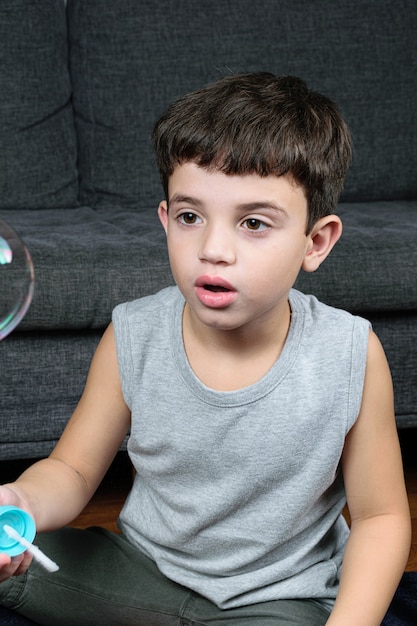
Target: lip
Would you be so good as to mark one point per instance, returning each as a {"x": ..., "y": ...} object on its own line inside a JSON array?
[
  {"x": 205, "y": 289},
  {"x": 213, "y": 281}
]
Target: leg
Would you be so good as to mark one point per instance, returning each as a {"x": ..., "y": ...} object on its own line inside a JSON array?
[
  {"x": 11, "y": 618},
  {"x": 102, "y": 580},
  {"x": 276, "y": 613}
]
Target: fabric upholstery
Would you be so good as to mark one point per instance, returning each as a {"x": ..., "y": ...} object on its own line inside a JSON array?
[
  {"x": 87, "y": 261},
  {"x": 37, "y": 139},
  {"x": 373, "y": 266},
  {"x": 127, "y": 65},
  {"x": 47, "y": 371}
]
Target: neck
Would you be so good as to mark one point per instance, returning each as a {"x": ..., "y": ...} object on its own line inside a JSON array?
[
  {"x": 271, "y": 330},
  {"x": 226, "y": 360}
]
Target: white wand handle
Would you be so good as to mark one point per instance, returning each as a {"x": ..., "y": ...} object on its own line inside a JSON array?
[{"x": 37, "y": 554}]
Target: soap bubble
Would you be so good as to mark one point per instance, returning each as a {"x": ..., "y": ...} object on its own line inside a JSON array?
[{"x": 16, "y": 279}]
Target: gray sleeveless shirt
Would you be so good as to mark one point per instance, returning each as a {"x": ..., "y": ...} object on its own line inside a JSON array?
[{"x": 238, "y": 495}]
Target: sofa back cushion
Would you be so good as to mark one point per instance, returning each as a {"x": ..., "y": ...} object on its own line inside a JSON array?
[
  {"x": 37, "y": 140},
  {"x": 130, "y": 59}
]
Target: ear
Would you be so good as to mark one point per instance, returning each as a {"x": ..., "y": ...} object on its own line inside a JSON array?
[
  {"x": 163, "y": 214},
  {"x": 325, "y": 234}
]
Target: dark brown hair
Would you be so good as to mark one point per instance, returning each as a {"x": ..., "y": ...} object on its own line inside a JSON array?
[{"x": 264, "y": 124}]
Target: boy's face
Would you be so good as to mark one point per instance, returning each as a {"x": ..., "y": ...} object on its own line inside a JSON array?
[{"x": 236, "y": 243}]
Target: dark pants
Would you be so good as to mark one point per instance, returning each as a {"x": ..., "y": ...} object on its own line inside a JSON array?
[{"x": 105, "y": 580}]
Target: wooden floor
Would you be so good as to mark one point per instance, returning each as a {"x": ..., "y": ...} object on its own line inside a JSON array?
[{"x": 107, "y": 502}]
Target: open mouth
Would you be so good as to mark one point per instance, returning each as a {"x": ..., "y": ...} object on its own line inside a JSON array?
[
  {"x": 216, "y": 288},
  {"x": 215, "y": 292}
]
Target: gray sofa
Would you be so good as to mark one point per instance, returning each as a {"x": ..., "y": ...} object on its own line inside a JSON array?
[{"x": 81, "y": 86}]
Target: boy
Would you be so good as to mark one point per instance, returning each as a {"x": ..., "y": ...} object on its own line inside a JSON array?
[{"x": 253, "y": 409}]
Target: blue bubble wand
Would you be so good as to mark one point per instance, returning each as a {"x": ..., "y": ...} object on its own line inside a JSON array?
[{"x": 36, "y": 552}]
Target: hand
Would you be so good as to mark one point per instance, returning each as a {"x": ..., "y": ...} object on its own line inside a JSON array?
[
  {"x": 13, "y": 566},
  {"x": 18, "y": 564}
]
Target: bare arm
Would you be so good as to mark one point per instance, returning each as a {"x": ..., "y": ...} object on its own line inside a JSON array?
[
  {"x": 56, "y": 489},
  {"x": 379, "y": 543}
]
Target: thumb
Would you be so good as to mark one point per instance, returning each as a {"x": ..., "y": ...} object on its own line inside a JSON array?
[{"x": 10, "y": 497}]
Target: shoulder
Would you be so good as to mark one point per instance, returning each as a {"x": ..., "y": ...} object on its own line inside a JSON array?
[
  {"x": 147, "y": 306},
  {"x": 144, "y": 325},
  {"x": 142, "y": 329},
  {"x": 333, "y": 351},
  {"x": 325, "y": 318},
  {"x": 378, "y": 374}
]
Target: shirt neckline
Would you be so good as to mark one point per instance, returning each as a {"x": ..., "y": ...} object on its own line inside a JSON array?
[{"x": 251, "y": 393}]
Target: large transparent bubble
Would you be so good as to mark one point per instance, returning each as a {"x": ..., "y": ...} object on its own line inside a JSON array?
[{"x": 16, "y": 279}]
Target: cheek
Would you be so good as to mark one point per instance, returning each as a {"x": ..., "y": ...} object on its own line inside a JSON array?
[
  {"x": 180, "y": 258},
  {"x": 282, "y": 262}
]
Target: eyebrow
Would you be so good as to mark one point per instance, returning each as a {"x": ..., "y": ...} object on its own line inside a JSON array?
[
  {"x": 244, "y": 207},
  {"x": 256, "y": 206},
  {"x": 179, "y": 198}
]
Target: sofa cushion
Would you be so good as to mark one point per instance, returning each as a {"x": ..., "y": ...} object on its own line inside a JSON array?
[
  {"x": 373, "y": 267},
  {"x": 47, "y": 372},
  {"x": 41, "y": 386},
  {"x": 37, "y": 140},
  {"x": 129, "y": 60},
  {"x": 87, "y": 261}
]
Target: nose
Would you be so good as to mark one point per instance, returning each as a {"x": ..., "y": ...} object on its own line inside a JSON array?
[{"x": 217, "y": 245}]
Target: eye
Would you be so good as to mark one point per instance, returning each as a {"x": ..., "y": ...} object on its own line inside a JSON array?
[
  {"x": 254, "y": 224},
  {"x": 188, "y": 218}
]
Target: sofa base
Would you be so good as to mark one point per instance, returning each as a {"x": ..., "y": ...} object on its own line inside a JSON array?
[{"x": 47, "y": 371}]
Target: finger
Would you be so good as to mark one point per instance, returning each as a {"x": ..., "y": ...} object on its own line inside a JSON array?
[
  {"x": 14, "y": 566},
  {"x": 9, "y": 496},
  {"x": 23, "y": 565},
  {"x": 4, "y": 560},
  {"x": 9, "y": 566}
]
